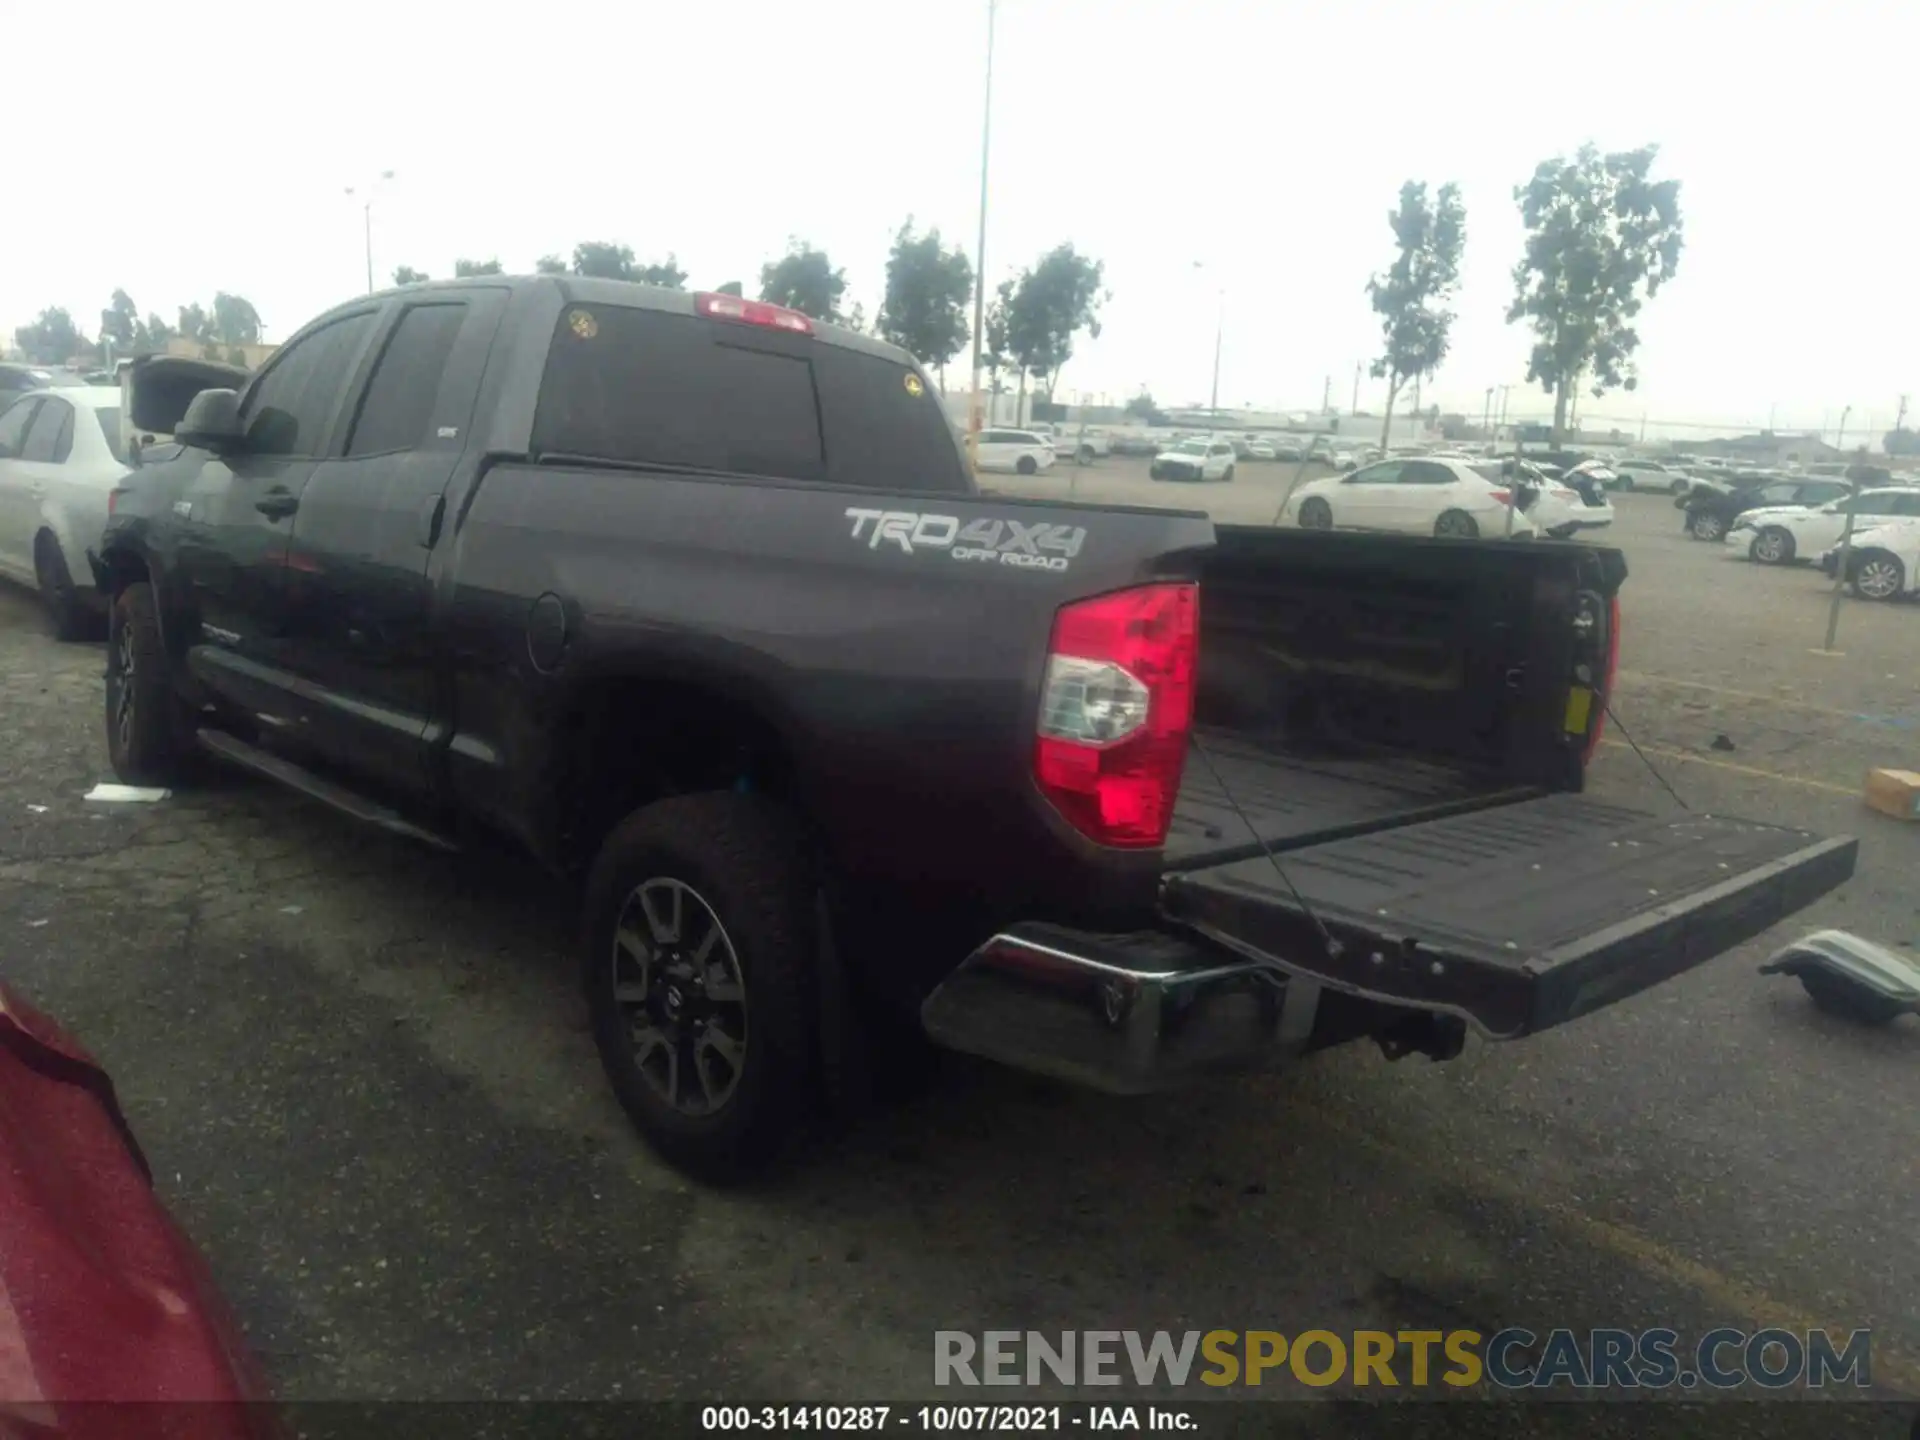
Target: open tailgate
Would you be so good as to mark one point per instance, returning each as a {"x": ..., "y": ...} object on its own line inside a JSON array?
[{"x": 1519, "y": 917}]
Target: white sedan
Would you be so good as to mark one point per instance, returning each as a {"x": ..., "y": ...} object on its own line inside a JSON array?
[
  {"x": 1196, "y": 459},
  {"x": 60, "y": 454},
  {"x": 1021, "y": 451},
  {"x": 1885, "y": 563},
  {"x": 1776, "y": 534},
  {"x": 1423, "y": 497}
]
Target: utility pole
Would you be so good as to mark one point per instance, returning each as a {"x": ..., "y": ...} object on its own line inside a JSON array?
[
  {"x": 1643, "y": 427},
  {"x": 1840, "y": 436},
  {"x": 1421, "y": 425},
  {"x": 980, "y": 255},
  {"x": 1358, "y": 367},
  {"x": 1486, "y": 415},
  {"x": 1900, "y": 420},
  {"x": 1326, "y": 397},
  {"x": 365, "y": 195}
]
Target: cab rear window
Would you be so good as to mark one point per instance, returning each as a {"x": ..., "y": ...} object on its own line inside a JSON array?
[{"x": 685, "y": 392}]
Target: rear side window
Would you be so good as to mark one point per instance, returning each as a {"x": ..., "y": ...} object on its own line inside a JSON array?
[
  {"x": 13, "y": 427},
  {"x": 406, "y": 381},
  {"x": 108, "y": 420},
  {"x": 682, "y": 391},
  {"x": 50, "y": 436}
]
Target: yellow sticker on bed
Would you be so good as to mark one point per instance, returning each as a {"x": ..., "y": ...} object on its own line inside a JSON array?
[{"x": 1579, "y": 709}]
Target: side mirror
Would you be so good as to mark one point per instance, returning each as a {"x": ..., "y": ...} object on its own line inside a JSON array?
[{"x": 212, "y": 422}]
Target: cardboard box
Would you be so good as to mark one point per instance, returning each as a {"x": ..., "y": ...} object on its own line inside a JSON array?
[{"x": 1894, "y": 792}]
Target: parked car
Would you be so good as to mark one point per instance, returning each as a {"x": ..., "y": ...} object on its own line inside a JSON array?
[
  {"x": 697, "y": 598},
  {"x": 1196, "y": 459},
  {"x": 1287, "y": 450},
  {"x": 1022, "y": 452},
  {"x": 1419, "y": 497},
  {"x": 1341, "y": 459},
  {"x": 113, "y": 1325},
  {"x": 1573, "y": 501},
  {"x": 60, "y": 458},
  {"x": 1776, "y": 534},
  {"x": 18, "y": 379},
  {"x": 1884, "y": 560},
  {"x": 1261, "y": 450},
  {"x": 1081, "y": 444},
  {"x": 1712, "y": 505},
  {"x": 1637, "y": 474}
]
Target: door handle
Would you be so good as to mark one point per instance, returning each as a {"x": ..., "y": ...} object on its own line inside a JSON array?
[
  {"x": 277, "y": 504},
  {"x": 431, "y": 514}
]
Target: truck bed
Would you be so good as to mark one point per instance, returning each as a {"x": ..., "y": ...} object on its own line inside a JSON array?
[{"x": 1291, "y": 794}]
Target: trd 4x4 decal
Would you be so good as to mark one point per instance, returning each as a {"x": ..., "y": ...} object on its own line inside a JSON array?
[{"x": 1039, "y": 545}]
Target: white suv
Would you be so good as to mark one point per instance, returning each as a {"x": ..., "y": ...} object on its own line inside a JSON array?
[{"x": 1020, "y": 451}]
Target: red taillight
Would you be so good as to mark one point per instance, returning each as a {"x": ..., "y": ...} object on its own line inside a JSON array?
[
  {"x": 1116, "y": 710},
  {"x": 113, "y": 499},
  {"x": 751, "y": 312},
  {"x": 1500, "y": 497},
  {"x": 1603, "y": 692}
]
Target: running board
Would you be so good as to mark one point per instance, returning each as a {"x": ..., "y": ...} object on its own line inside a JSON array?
[{"x": 335, "y": 797}]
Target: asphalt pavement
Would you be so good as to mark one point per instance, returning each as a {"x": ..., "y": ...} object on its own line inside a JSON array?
[{"x": 363, "y": 1076}]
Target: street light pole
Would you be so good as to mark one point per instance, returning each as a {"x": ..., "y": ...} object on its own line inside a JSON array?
[
  {"x": 1486, "y": 415},
  {"x": 1840, "y": 436},
  {"x": 980, "y": 252},
  {"x": 1846, "y": 551},
  {"x": 365, "y": 195},
  {"x": 1359, "y": 366}
]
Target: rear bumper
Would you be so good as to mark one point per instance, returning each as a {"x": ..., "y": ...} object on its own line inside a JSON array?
[{"x": 1128, "y": 1014}]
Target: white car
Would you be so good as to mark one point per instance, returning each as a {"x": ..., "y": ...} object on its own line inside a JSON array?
[
  {"x": 1649, "y": 475},
  {"x": 1021, "y": 451},
  {"x": 1260, "y": 450},
  {"x": 1196, "y": 459},
  {"x": 1778, "y": 534},
  {"x": 1083, "y": 445},
  {"x": 1885, "y": 563},
  {"x": 60, "y": 454},
  {"x": 1423, "y": 497},
  {"x": 1574, "y": 501},
  {"x": 1341, "y": 460}
]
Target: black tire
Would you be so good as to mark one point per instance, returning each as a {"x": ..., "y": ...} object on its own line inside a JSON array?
[
  {"x": 1876, "y": 575},
  {"x": 746, "y": 862},
  {"x": 1085, "y": 455},
  {"x": 1708, "y": 525},
  {"x": 1229, "y": 475},
  {"x": 1772, "y": 546},
  {"x": 1456, "y": 525},
  {"x": 1626, "y": 483},
  {"x": 68, "y": 617},
  {"x": 1315, "y": 514},
  {"x": 1025, "y": 465},
  {"x": 1154, "y": 472},
  {"x": 1848, "y": 1000},
  {"x": 149, "y": 731},
  {"x": 1678, "y": 488}
]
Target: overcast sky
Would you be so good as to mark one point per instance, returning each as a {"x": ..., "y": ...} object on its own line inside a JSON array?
[{"x": 1267, "y": 141}]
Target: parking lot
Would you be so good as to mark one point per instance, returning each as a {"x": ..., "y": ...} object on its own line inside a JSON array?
[{"x": 363, "y": 1077}]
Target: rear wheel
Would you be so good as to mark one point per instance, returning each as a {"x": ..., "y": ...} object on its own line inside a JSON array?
[
  {"x": 148, "y": 729},
  {"x": 1026, "y": 465},
  {"x": 67, "y": 615},
  {"x": 1772, "y": 546},
  {"x": 1085, "y": 455},
  {"x": 1316, "y": 514},
  {"x": 1707, "y": 525},
  {"x": 701, "y": 970},
  {"x": 1677, "y": 488},
  {"x": 1456, "y": 525},
  {"x": 1878, "y": 576},
  {"x": 1229, "y": 474}
]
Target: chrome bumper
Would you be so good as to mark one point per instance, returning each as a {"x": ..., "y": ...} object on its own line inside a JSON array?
[{"x": 1127, "y": 1014}]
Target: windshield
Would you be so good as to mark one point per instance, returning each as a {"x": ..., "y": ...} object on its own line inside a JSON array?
[{"x": 1191, "y": 447}]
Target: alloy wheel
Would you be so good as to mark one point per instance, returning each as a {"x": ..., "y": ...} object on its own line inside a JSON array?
[
  {"x": 678, "y": 984},
  {"x": 1878, "y": 579}
]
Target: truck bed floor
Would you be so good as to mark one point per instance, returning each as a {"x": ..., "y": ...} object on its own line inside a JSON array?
[{"x": 1295, "y": 796}]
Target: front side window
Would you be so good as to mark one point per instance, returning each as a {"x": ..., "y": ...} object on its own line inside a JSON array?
[
  {"x": 1387, "y": 473},
  {"x": 288, "y": 409}
]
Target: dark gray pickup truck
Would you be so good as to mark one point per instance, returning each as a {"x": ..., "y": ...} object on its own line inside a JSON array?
[{"x": 696, "y": 598}]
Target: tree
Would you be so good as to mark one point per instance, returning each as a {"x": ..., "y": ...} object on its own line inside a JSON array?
[
  {"x": 237, "y": 356},
  {"x": 996, "y": 350},
  {"x": 466, "y": 269},
  {"x": 1901, "y": 442},
  {"x": 158, "y": 332},
  {"x": 604, "y": 259},
  {"x": 665, "y": 273},
  {"x": 549, "y": 265},
  {"x": 407, "y": 275},
  {"x": 928, "y": 287},
  {"x": 1051, "y": 304},
  {"x": 235, "y": 321},
  {"x": 120, "y": 323},
  {"x": 53, "y": 339},
  {"x": 1602, "y": 238},
  {"x": 1142, "y": 408},
  {"x": 804, "y": 279},
  {"x": 1411, "y": 297},
  {"x": 732, "y": 287}
]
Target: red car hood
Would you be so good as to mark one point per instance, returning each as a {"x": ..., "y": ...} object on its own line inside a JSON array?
[{"x": 102, "y": 1296}]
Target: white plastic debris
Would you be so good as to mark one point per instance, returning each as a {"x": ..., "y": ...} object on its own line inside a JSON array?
[
  {"x": 292, "y": 909},
  {"x": 125, "y": 794},
  {"x": 35, "y": 924},
  {"x": 38, "y": 809}
]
